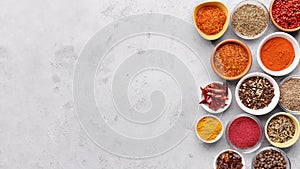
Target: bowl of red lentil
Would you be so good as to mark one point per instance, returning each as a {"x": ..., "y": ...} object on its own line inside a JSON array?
[
  {"x": 211, "y": 19},
  {"x": 278, "y": 54},
  {"x": 257, "y": 93},
  {"x": 285, "y": 15},
  {"x": 289, "y": 99},
  {"x": 245, "y": 133},
  {"x": 231, "y": 59}
]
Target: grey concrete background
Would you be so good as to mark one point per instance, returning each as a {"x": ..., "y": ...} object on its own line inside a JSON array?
[{"x": 39, "y": 45}]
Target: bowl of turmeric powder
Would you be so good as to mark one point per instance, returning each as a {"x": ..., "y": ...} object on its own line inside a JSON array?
[
  {"x": 231, "y": 59},
  {"x": 209, "y": 129},
  {"x": 211, "y": 19},
  {"x": 278, "y": 54}
]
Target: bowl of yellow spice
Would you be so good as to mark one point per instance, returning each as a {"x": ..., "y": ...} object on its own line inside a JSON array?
[
  {"x": 209, "y": 129},
  {"x": 211, "y": 19}
]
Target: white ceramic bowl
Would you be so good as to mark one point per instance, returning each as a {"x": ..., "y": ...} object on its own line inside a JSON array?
[
  {"x": 228, "y": 102},
  {"x": 296, "y": 50},
  {"x": 217, "y": 138},
  {"x": 264, "y": 110},
  {"x": 216, "y": 157}
]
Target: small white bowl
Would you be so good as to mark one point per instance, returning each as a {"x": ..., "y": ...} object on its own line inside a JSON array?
[
  {"x": 228, "y": 102},
  {"x": 217, "y": 138},
  {"x": 296, "y": 50},
  {"x": 264, "y": 110},
  {"x": 216, "y": 157}
]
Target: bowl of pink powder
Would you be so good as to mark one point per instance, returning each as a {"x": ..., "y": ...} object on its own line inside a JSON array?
[{"x": 245, "y": 133}]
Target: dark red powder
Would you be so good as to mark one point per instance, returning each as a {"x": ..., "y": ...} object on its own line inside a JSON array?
[{"x": 244, "y": 132}]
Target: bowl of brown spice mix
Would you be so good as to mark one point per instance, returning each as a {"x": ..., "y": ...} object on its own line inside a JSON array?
[{"x": 289, "y": 99}]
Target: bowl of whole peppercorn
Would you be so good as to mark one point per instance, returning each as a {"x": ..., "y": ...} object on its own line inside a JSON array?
[
  {"x": 270, "y": 158},
  {"x": 285, "y": 15},
  {"x": 257, "y": 93},
  {"x": 282, "y": 130}
]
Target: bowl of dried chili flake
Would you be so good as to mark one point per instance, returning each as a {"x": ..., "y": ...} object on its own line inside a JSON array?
[
  {"x": 231, "y": 59},
  {"x": 211, "y": 19},
  {"x": 285, "y": 15}
]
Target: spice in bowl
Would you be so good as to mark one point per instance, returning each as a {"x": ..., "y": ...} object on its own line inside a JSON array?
[
  {"x": 215, "y": 95},
  {"x": 229, "y": 159},
  {"x": 290, "y": 95},
  {"x": 256, "y": 92},
  {"x": 270, "y": 158},
  {"x": 244, "y": 133},
  {"x": 250, "y": 19},
  {"x": 281, "y": 129},
  {"x": 210, "y": 19},
  {"x": 286, "y": 13},
  {"x": 277, "y": 54},
  {"x": 209, "y": 129},
  {"x": 231, "y": 59}
]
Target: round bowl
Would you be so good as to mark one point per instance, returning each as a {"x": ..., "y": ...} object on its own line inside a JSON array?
[
  {"x": 228, "y": 102},
  {"x": 250, "y": 149},
  {"x": 223, "y": 151},
  {"x": 280, "y": 104},
  {"x": 220, "y": 74},
  {"x": 289, "y": 142},
  {"x": 217, "y": 138},
  {"x": 252, "y": 2},
  {"x": 292, "y": 66},
  {"x": 218, "y": 4},
  {"x": 266, "y": 109},
  {"x": 288, "y": 163},
  {"x": 276, "y": 24}
]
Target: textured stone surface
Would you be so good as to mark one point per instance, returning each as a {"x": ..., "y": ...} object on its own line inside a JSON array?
[{"x": 39, "y": 46}]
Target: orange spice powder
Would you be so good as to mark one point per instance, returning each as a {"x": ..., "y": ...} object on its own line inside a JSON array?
[
  {"x": 277, "y": 54},
  {"x": 210, "y": 20},
  {"x": 231, "y": 59}
]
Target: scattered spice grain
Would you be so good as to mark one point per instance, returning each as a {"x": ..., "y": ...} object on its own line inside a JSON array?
[
  {"x": 249, "y": 20},
  {"x": 281, "y": 129},
  {"x": 229, "y": 160},
  {"x": 270, "y": 159},
  {"x": 256, "y": 92},
  {"x": 231, "y": 59},
  {"x": 290, "y": 94},
  {"x": 210, "y": 20}
]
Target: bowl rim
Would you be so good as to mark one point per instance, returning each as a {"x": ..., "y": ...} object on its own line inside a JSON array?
[
  {"x": 221, "y": 110},
  {"x": 282, "y": 107},
  {"x": 275, "y": 23},
  {"x": 295, "y": 45},
  {"x": 295, "y": 137},
  {"x": 209, "y": 3},
  {"x": 257, "y": 145},
  {"x": 254, "y": 2},
  {"x": 273, "y": 148},
  {"x": 265, "y": 110},
  {"x": 218, "y": 137},
  {"x": 229, "y": 149},
  {"x": 248, "y": 65}
]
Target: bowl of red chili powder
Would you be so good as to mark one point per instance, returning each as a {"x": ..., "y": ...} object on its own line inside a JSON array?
[
  {"x": 285, "y": 15},
  {"x": 278, "y": 54},
  {"x": 244, "y": 133}
]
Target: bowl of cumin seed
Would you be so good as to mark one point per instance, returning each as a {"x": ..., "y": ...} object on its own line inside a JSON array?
[
  {"x": 250, "y": 19},
  {"x": 289, "y": 99}
]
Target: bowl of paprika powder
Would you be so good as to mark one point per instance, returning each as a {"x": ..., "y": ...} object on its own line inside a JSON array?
[{"x": 278, "y": 54}]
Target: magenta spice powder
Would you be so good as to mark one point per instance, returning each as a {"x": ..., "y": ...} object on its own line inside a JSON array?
[{"x": 244, "y": 132}]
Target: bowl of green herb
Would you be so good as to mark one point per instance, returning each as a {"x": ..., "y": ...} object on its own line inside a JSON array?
[{"x": 250, "y": 19}]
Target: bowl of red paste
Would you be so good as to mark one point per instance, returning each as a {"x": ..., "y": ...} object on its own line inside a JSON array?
[
  {"x": 244, "y": 133},
  {"x": 278, "y": 54}
]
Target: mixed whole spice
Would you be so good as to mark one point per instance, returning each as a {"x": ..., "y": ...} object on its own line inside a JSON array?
[
  {"x": 286, "y": 13},
  {"x": 249, "y": 20},
  {"x": 281, "y": 129},
  {"x": 229, "y": 160},
  {"x": 215, "y": 95},
  {"x": 210, "y": 20},
  {"x": 269, "y": 159},
  {"x": 256, "y": 92},
  {"x": 231, "y": 59},
  {"x": 290, "y": 94}
]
